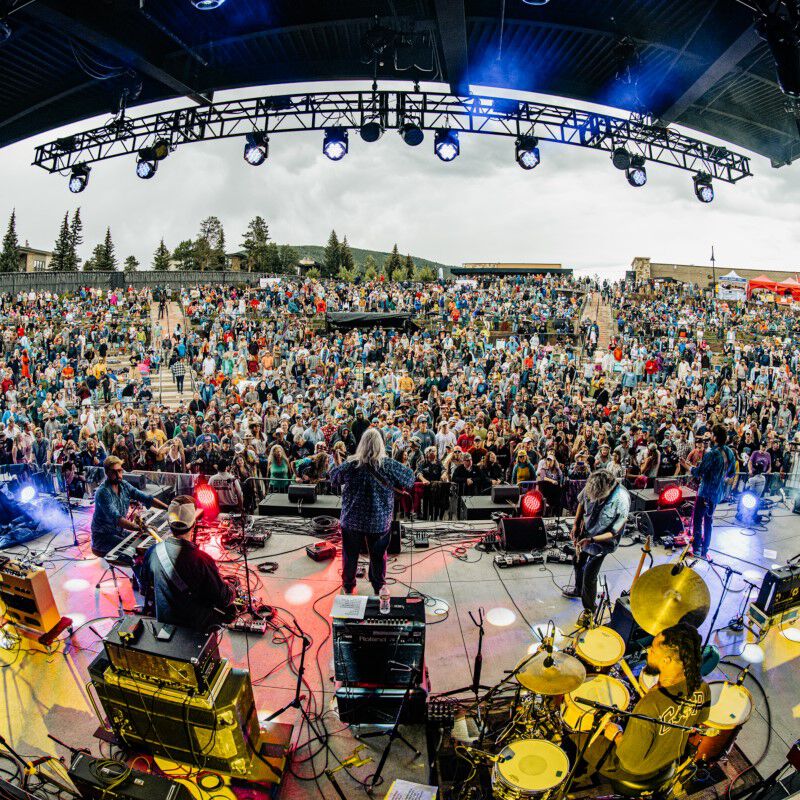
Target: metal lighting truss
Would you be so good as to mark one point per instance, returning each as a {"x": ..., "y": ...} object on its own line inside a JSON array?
[{"x": 431, "y": 111}]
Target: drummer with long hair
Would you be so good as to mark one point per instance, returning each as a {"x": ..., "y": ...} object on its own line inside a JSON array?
[{"x": 644, "y": 749}]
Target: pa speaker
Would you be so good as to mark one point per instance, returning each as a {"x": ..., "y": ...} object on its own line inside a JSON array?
[
  {"x": 505, "y": 493},
  {"x": 302, "y": 493},
  {"x": 658, "y": 524},
  {"x": 523, "y": 534}
]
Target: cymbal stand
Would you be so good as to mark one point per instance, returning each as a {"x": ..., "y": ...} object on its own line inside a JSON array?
[{"x": 604, "y": 604}]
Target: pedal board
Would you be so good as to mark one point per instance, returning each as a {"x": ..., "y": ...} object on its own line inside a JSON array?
[
  {"x": 518, "y": 559},
  {"x": 421, "y": 539}
]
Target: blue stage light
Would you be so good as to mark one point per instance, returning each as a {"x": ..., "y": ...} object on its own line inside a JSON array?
[
  {"x": 27, "y": 494},
  {"x": 78, "y": 178},
  {"x": 703, "y": 188},
  {"x": 637, "y": 172},
  {"x": 256, "y": 148},
  {"x": 527, "y": 152},
  {"x": 747, "y": 508},
  {"x": 445, "y": 144},
  {"x": 335, "y": 144},
  {"x": 207, "y": 5}
]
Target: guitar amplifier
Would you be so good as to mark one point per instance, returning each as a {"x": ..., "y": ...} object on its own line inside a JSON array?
[
  {"x": 216, "y": 729},
  {"x": 780, "y": 590},
  {"x": 381, "y": 649},
  {"x": 187, "y": 660},
  {"x": 28, "y": 599},
  {"x": 374, "y": 705}
]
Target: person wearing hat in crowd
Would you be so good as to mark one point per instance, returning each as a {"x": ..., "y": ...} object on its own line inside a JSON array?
[
  {"x": 181, "y": 583},
  {"x": 112, "y": 501}
]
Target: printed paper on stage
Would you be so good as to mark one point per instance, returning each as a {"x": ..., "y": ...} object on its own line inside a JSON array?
[
  {"x": 349, "y": 606},
  {"x": 406, "y": 790}
]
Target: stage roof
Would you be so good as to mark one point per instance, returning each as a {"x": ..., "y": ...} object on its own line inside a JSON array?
[{"x": 700, "y": 64}]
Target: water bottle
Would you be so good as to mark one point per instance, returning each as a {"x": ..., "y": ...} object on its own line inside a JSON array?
[{"x": 385, "y": 600}]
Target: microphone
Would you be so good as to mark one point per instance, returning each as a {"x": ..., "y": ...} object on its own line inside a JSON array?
[{"x": 547, "y": 642}]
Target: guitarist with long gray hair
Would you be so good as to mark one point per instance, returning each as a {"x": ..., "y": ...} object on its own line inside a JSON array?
[{"x": 368, "y": 480}]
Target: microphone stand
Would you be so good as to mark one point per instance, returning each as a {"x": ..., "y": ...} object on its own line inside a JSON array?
[{"x": 729, "y": 572}]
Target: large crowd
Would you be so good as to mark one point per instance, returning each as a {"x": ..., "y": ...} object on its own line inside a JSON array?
[{"x": 497, "y": 380}]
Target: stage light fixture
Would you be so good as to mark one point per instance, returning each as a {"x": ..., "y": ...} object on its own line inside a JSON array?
[
  {"x": 527, "y": 152},
  {"x": 27, "y": 494},
  {"x": 206, "y": 498},
  {"x": 78, "y": 178},
  {"x": 371, "y": 131},
  {"x": 532, "y": 503},
  {"x": 445, "y": 144},
  {"x": 621, "y": 158},
  {"x": 207, "y": 5},
  {"x": 335, "y": 144},
  {"x": 637, "y": 172},
  {"x": 411, "y": 134},
  {"x": 747, "y": 508},
  {"x": 670, "y": 496},
  {"x": 703, "y": 188},
  {"x": 256, "y": 148},
  {"x": 146, "y": 164}
]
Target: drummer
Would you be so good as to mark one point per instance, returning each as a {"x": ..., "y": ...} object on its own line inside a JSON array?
[{"x": 644, "y": 749}]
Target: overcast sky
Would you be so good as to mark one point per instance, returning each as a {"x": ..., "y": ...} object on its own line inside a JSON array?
[{"x": 574, "y": 209}]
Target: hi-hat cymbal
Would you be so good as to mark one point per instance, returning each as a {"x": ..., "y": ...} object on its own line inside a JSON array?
[
  {"x": 668, "y": 594},
  {"x": 563, "y": 675}
]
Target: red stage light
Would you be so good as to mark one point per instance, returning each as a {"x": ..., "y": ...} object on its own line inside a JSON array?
[
  {"x": 670, "y": 496},
  {"x": 207, "y": 500},
  {"x": 532, "y": 504}
]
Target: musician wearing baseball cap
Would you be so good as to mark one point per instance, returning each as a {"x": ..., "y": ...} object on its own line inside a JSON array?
[
  {"x": 112, "y": 501},
  {"x": 181, "y": 584}
]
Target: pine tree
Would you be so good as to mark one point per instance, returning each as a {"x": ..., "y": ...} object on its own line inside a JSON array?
[
  {"x": 75, "y": 241},
  {"x": 131, "y": 264},
  {"x": 61, "y": 248},
  {"x": 98, "y": 261},
  {"x": 161, "y": 258},
  {"x": 272, "y": 258},
  {"x": 210, "y": 244},
  {"x": 369, "y": 269},
  {"x": 110, "y": 261},
  {"x": 288, "y": 259},
  {"x": 331, "y": 257},
  {"x": 409, "y": 268},
  {"x": 9, "y": 257},
  {"x": 255, "y": 245},
  {"x": 185, "y": 255},
  {"x": 346, "y": 260},
  {"x": 393, "y": 263}
]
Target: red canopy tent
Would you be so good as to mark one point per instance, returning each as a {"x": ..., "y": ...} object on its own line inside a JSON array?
[
  {"x": 790, "y": 285},
  {"x": 761, "y": 282}
]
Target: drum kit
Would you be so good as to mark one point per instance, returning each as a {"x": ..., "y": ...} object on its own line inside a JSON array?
[{"x": 572, "y": 692}]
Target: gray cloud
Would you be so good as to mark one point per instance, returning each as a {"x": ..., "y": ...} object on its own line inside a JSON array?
[{"x": 575, "y": 208}]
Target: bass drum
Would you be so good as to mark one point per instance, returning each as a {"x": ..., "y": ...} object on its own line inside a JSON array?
[
  {"x": 731, "y": 707},
  {"x": 533, "y": 768}
]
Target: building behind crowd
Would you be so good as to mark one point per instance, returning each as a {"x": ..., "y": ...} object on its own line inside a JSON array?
[
  {"x": 703, "y": 275},
  {"x": 33, "y": 260}
]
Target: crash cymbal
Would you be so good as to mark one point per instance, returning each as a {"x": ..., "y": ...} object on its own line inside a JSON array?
[
  {"x": 563, "y": 675},
  {"x": 668, "y": 594}
]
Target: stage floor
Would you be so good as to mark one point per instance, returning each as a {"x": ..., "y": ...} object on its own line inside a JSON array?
[{"x": 46, "y": 693}]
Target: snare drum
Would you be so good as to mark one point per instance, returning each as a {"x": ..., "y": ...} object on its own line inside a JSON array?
[
  {"x": 533, "y": 768},
  {"x": 600, "y": 688},
  {"x": 731, "y": 706},
  {"x": 599, "y": 648}
]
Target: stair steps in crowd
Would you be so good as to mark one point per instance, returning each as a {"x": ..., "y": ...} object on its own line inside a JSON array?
[{"x": 165, "y": 390}]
